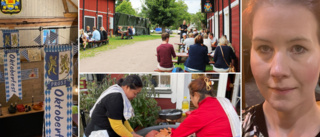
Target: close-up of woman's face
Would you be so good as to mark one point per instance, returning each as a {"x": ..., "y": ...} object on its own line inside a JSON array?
[{"x": 285, "y": 55}]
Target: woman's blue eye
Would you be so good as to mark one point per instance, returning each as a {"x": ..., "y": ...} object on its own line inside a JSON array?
[{"x": 297, "y": 49}]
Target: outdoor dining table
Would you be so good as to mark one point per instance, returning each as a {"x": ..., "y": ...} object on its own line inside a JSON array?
[
  {"x": 184, "y": 54},
  {"x": 180, "y": 55},
  {"x": 181, "y": 45}
]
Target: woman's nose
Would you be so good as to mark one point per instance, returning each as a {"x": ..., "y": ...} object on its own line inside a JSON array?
[{"x": 280, "y": 65}]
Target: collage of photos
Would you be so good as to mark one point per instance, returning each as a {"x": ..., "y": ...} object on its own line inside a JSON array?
[{"x": 160, "y": 68}]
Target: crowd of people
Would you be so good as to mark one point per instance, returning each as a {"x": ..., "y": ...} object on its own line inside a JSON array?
[
  {"x": 95, "y": 35},
  {"x": 201, "y": 47}
]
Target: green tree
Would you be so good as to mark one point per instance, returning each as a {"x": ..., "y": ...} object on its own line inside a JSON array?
[
  {"x": 126, "y": 8},
  {"x": 183, "y": 14},
  {"x": 162, "y": 12},
  {"x": 199, "y": 19}
]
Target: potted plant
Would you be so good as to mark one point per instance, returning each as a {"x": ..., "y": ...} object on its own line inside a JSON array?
[{"x": 145, "y": 106}]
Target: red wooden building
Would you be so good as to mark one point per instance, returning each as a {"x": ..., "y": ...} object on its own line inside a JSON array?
[
  {"x": 225, "y": 20},
  {"x": 97, "y": 13}
]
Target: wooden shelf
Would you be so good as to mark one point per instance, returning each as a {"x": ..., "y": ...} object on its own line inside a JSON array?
[{"x": 5, "y": 112}]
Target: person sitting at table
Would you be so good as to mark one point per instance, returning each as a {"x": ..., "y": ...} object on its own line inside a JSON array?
[
  {"x": 213, "y": 116},
  {"x": 207, "y": 42},
  {"x": 195, "y": 32},
  {"x": 133, "y": 30},
  {"x": 198, "y": 56},
  {"x": 223, "y": 56},
  {"x": 96, "y": 36},
  {"x": 184, "y": 37},
  {"x": 228, "y": 42},
  {"x": 120, "y": 31},
  {"x": 213, "y": 41},
  {"x": 165, "y": 52},
  {"x": 129, "y": 32},
  {"x": 88, "y": 31},
  {"x": 83, "y": 38},
  {"x": 189, "y": 41},
  {"x": 104, "y": 34}
]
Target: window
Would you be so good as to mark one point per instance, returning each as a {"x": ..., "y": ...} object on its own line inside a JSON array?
[
  {"x": 89, "y": 21},
  {"x": 51, "y": 36},
  {"x": 99, "y": 22},
  {"x": 161, "y": 81}
]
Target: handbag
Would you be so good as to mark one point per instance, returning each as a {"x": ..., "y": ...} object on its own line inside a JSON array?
[{"x": 231, "y": 67}]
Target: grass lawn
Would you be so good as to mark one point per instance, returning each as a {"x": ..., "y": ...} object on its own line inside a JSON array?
[
  {"x": 116, "y": 42},
  {"x": 181, "y": 65}
]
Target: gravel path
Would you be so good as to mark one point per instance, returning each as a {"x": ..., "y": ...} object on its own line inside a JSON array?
[{"x": 137, "y": 57}]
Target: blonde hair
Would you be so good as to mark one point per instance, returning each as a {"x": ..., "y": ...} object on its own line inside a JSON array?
[
  {"x": 205, "y": 36},
  {"x": 223, "y": 41},
  {"x": 190, "y": 35},
  {"x": 81, "y": 31}
]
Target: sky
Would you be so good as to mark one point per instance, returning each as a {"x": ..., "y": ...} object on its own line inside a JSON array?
[{"x": 193, "y": 5}]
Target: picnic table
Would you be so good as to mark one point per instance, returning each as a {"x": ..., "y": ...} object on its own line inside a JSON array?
[
  {"x": 184, "y": 54},
  {"x": 181, "y": 46}
]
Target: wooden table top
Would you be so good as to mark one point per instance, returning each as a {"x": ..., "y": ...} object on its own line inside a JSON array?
[
  {"x": 318, "y": 103},
  {"x": 182, "y": 54},
  {"x": 178, "y": 43},
  {"x": 5, "y": 112}
]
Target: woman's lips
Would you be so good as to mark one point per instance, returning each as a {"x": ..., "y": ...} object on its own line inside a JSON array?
[{"x": 282, "y": 90}]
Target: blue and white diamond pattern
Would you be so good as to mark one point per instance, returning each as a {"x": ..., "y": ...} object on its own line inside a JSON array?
[{"x": 49, "y": 111}]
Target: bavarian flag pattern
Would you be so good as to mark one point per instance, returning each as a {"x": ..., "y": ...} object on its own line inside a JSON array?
[
  {"x": 58, "y": 67},
  {"x": 12, "y": 66}
]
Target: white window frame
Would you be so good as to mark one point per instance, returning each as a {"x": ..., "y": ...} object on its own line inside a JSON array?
[
  {"x": 94, "y": 18},
  {"x": 226, "y": 23},
  {"x": 101, "y": 21}
]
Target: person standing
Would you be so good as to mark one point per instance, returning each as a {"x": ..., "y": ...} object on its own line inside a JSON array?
[
  {"x": 165, "y": 52},
  {"x": 183, "y": 28}
]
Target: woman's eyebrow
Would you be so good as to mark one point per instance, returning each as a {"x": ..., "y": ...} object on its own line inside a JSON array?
[
  {"x": 261, "y": 39},
  {"x": 300, "y": 38}
]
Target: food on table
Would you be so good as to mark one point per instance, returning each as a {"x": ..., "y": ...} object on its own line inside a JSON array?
[
  {"x": 38, "y": 106},
  {"x": 20, "y": 108},
  {"x": 164, "y": 133}
]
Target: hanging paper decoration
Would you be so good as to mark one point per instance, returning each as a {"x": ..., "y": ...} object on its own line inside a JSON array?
[
  {"x": 24, "y": 53},
  {"x": 38, "y": 40},
  {"x": 58, "y": 90},
  {"x": 11, "y": 59},
  {"x": 10, "y": 6}
]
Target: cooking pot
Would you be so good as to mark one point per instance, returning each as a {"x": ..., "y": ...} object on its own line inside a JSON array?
[{"x": 145, "y": 131}]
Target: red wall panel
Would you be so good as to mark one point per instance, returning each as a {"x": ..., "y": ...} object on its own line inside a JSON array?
[
  {"x": 165, "y": 103},
  {"x": 104, "y": 7},
  {"x": 236, "y": 30}
]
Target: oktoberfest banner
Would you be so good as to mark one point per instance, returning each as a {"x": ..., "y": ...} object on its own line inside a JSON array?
[
  {"x": 58, "y": 90},
  {"x": 12, "y": 68}
]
